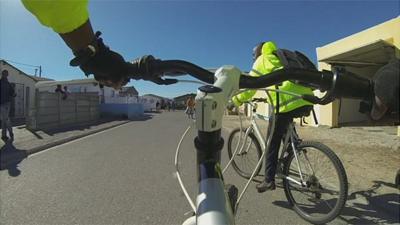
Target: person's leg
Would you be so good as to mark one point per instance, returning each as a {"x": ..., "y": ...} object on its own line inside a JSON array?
[
  {"x": 271, "y": 156},
  {"x": 8, "y": 122},
  {"x": 5, "y": 121}
]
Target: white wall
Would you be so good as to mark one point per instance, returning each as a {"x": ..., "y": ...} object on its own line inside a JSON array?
[
  {"x": 121, "y": 100},
  {"x": 109, "y": 92},
  {"x": 149, "y": 102},
  {"x": 73, "y": 88}
]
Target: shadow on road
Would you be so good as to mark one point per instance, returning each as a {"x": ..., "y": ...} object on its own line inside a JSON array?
[
  {"x": 10, "y": 158},
  {"x": 84, "y": 126},
  {"x": 367, "y": 206},
  {"x": 146, "y": 116}
]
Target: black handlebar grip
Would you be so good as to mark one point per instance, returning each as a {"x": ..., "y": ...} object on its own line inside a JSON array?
[{"x": 350, "y": 85}]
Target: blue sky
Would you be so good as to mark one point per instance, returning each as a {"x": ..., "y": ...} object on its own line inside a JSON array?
[{"x": 208, "y": 33}]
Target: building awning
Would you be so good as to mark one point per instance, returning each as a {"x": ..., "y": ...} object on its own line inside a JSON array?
[{"x": 377, "y": 53}]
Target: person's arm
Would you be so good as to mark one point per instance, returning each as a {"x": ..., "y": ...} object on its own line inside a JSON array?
[
  {"x": 239, "y": 99},
  {"x": 12, "y": 91},
  {"x": 264, "y": 65},
  {"x": 80, "y": 38},
  {"x": 70, "y": 19}
]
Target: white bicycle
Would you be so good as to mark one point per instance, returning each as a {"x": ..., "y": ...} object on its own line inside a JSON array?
[
  {"x": 314, "y": 179},
  {"x": 217, "y": 203}
]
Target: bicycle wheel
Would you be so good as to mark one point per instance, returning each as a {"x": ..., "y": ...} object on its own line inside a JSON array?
[
  {"x": 248, "y": 154},
  {"x": 324, "y": 192}
]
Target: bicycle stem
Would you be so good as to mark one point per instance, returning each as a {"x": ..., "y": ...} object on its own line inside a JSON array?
[{"x": 210, "y": 106}]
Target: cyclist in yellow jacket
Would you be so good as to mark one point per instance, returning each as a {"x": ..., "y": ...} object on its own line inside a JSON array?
[
  {"x": 70, "y": 19},
  {"x": 289, "y": 107}
]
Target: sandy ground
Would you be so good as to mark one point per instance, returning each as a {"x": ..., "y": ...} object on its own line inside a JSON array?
[
  {"x": 370, "y": 158},
  {"x": 370, "y": 155}
]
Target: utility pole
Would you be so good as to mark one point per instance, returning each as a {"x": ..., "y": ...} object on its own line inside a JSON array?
[{"x": 40, "y": 71}]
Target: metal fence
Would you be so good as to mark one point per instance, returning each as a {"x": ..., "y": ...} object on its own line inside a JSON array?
[{"x": 52, "y": 111}]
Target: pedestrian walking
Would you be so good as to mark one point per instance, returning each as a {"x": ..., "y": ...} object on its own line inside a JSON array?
[{"x": 6, "y": 94}]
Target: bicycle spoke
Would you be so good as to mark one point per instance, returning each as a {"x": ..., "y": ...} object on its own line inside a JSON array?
[{"x": 322, "y": 198}]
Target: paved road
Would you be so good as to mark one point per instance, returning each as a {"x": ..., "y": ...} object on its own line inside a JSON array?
[{"x": 122, "y": 176}]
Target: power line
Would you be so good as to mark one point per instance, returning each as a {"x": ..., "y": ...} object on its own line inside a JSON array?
[{"x": 24, "y": 64}]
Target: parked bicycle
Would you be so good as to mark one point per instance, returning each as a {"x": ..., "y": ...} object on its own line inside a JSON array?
[{"x": 314, "y": 179}]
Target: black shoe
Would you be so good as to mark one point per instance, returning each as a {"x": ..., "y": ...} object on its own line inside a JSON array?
[
  {"x": 265, "y": 186},
  {"x": 4, "y": 138}
]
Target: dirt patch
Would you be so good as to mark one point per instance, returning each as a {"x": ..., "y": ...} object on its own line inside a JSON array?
[
  {"x": 369, "y": 154},
  {"x": 367, "y": 157}
]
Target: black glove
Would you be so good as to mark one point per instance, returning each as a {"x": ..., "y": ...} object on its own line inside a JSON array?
[{"x": 108, "y": 67}]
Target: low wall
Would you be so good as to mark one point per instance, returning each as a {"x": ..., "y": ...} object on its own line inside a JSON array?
[
  {"x": 129, "y": 110},
  {"x": 51, "y": 111}
]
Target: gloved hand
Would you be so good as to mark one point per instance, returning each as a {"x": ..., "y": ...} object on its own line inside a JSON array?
[
  {"x": 108, "y": 67},
  {"x": 386, "y": 88},
  {"x": 230, "y": 106},
  {"x": 236, "y": 102}
]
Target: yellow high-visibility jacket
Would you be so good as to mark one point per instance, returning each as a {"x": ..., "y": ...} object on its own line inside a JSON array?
[
  {"x": 63, "y": 16},
  {"x": 266, "y": 63}
]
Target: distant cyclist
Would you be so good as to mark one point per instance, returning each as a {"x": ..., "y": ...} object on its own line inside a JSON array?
[
  {"x": 265, "y": 62},
  {"x": 190, "y": 110}
]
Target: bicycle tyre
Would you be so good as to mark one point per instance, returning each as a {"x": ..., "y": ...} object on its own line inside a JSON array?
[
  {"x": 231, "y": 149},
  {"x": 342, "y": 177}
]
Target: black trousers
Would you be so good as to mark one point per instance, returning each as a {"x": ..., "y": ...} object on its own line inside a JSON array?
[{"x": 281, "y": 125}]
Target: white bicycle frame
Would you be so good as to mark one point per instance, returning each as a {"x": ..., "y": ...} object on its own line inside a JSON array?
[
  {"x": 212, "y": 203},
  {"x": 290, "y": 136}
]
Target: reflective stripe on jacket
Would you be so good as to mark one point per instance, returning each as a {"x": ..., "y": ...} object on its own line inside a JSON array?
[
  {"x": 266, "y": 63},
  {"x": 62, "y": 16}
]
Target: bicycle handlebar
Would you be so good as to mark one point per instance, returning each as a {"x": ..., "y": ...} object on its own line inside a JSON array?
[{"x": 339, "y": 84}]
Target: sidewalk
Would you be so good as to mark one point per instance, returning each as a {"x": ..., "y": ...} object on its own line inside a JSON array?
[
  {"x": 28, "y": 142},
  {"x": 370, "y": 155}
]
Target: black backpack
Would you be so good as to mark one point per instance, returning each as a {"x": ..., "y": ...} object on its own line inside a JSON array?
[{"x": 293, "y": 60}]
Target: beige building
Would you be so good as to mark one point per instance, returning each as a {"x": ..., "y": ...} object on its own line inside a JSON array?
[{"x": 362, "y": 53}]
